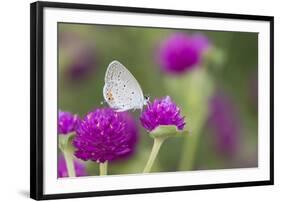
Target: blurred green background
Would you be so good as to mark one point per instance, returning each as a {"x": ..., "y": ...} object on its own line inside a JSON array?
[{"x": 224, "y": 137}]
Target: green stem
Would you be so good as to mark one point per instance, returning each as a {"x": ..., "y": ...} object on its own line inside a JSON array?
[
  {"x": 69, "y": 163},
  {"x": 189, "y": 152},
  {"x": 190, "y": 145},
  {"x": 155, "y": 149},
  {"x": 103, "y": 168},
  {"x": 199, "y": 86}
]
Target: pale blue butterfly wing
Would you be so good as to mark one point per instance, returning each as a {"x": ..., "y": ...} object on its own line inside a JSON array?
[{"x": 121, "y": 90}]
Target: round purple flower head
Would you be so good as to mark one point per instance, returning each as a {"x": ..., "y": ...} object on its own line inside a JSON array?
[
  {"x": 181, "y": 52},
  {"x": 162, "y": 112},
  {"x": 67, "y": 122},
  {"x": 224, "y": 122},
  {"x": 79, "y": 167},
  {"x": 105, "y": 135}
]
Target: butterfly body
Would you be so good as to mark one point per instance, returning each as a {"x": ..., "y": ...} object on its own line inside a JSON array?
[{"x": 121, "y": 90}]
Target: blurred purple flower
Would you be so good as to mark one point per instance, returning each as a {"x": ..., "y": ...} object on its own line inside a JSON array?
[
  {"x": 200, "y": 42},
  {"x": 82, "y": 65},
  {"x": 180, "y": 52},
  {"x": 105, "y": 135},
  {"x": 224, "y": 122},
  {"x": 79, "y": 167},
  {"x": 81, "y": 53},
  {"x": 162, "y": 112},
  {"x": 67, "y": 122}
]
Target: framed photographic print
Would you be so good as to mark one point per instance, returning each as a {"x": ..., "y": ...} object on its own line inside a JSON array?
[{"x": 134, "y": 100}]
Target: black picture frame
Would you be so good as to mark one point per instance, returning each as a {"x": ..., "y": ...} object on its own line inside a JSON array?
[{"x": 37, "y": 99}]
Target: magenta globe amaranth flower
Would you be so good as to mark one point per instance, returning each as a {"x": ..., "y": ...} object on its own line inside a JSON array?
[
  {"x": 162, "y": 112},
  {"x": 105, "y": 135},
  {"x": 162, "y": 118},
  {"x": 79, "y": 167},
  {"x": 181, "y": 52},
  {"x": 67, "y": 122},
  {"x": 224, "y": 122}
]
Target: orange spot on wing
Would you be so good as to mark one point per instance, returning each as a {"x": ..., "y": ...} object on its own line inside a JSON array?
[{"x": 109, "y": 95}]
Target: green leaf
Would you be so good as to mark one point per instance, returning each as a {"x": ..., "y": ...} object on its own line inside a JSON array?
[{"x": 165, "y": 131}]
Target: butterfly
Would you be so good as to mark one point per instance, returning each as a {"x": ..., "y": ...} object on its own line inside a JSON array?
[{"x": 121, "y": 90}]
